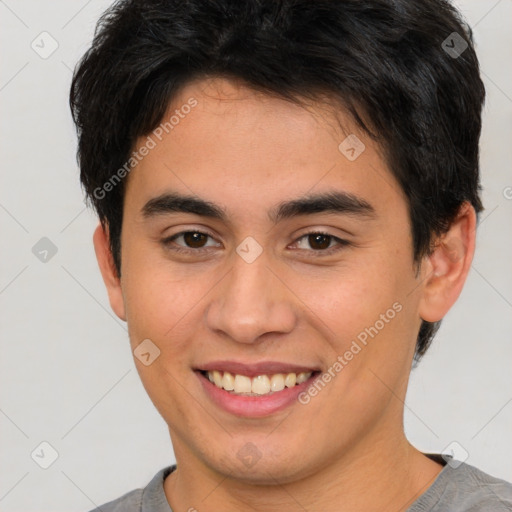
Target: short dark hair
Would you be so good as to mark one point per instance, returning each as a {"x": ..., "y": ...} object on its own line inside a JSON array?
[{"x": 405, "y": 70}]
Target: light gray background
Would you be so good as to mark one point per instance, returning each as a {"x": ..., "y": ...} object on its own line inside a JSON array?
[{"x": 67, "y": 374}]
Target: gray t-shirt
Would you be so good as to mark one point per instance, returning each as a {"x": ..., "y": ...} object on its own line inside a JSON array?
[{"x": 459, "y": 487}]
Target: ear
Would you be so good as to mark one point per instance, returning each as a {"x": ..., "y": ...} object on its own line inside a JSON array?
[
  {"x": 447, "y": 268},
  {"x": 108, "y": 270}
]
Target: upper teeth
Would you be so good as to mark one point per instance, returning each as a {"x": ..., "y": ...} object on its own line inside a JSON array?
[{"x": 260, "y": 385}]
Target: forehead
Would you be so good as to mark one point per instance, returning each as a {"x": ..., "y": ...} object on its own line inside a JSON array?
[{"x": 227, "y": 143}]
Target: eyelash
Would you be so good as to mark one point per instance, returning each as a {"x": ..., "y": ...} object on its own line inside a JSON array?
[{"x": 316, "y": 253}]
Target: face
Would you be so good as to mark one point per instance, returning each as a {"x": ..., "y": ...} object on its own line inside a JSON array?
[{"x": 265, "y": 286}]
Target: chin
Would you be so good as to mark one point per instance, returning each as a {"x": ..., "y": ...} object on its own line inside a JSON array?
[{"x": 260, "y": 461}]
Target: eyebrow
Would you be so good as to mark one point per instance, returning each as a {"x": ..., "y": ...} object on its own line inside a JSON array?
[{"x": 329, "y": 202}]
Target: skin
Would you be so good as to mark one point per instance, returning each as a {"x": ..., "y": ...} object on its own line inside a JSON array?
[{"x": 247, "y": 152}]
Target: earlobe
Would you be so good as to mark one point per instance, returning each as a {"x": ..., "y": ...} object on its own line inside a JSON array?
[
  {"x": 448, "y": 266},
  {"x": 108, "y": 270}
]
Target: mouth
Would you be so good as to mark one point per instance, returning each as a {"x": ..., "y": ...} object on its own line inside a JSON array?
[
  {"x": 259, "y": 385},
  {"x": 254, "y": 390}
]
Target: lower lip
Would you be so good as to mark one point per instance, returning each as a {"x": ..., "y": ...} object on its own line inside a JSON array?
[{"x": 253, "y": 406}]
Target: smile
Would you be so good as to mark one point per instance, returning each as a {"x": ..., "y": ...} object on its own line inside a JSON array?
[
  {"x": 258, "y": 385},
  {"x": 254, "y": 390}
]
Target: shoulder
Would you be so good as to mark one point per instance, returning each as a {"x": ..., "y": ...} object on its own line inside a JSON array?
[
  {"x": 461, "y": 487},
  {"x": 129, "y": 502},
  {"x": 149, "y": 499},
  {"x": 480, "y": 490}
]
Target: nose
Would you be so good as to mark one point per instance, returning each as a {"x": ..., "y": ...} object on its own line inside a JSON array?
[{"x": 251, "y": 301}]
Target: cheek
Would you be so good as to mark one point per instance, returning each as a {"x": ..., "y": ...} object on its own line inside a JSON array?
[
  {"x": 165, "y": 303},
  {"x": 351, "y": 298},
  {"x": 364, "y": 310},
  {"x": 156, "y": 301}
]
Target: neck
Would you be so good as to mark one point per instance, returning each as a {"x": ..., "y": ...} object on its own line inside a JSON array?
[{"x": 385, "y": 472}]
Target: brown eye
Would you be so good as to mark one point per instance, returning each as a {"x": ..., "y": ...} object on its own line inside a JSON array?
[
  {"x": 320, "y": 244},
  {"x": 319, "y": 241},
  {"x": 194, "y": 239},
  {"x": 191, "y": 242}
]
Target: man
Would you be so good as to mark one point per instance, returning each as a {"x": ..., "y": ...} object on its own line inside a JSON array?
[{"x": 288, "y": 195}]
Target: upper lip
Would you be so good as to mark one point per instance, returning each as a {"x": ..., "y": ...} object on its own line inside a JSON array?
[{"x": 254, "y": 369}]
